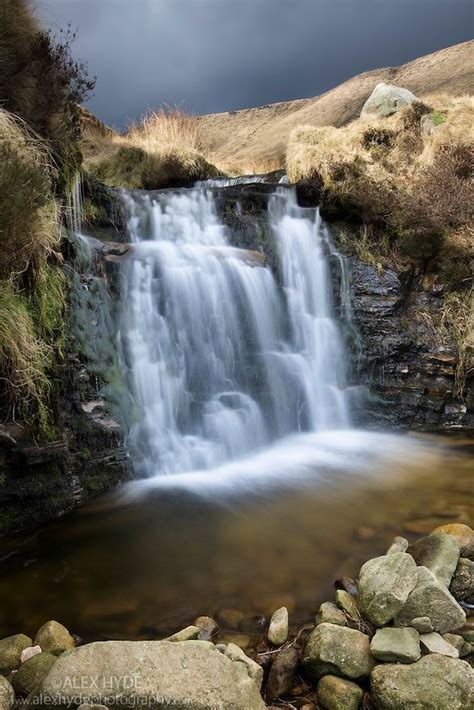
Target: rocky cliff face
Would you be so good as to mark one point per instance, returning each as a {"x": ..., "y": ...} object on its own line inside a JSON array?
[
  {"x": 41, "y": 481},
  {"x": 411, "y": 375}
]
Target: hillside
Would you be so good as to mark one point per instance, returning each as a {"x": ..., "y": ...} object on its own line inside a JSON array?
[{"x": 255, "y": 139}]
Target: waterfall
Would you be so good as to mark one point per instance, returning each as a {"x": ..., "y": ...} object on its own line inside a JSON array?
[{"x": 220, "y": 360}]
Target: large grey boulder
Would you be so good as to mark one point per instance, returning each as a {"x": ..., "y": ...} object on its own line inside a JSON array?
[
  {"x": 189, "y": 675},
  {"x": 431, "y": 599},
  {"x": 7, "y": 694},
  {"x": 337, "y": 650},
  {"x": 439, "y": 553},
  {"x": 387, "y": 99},
  {"x": 384, "y": 585},
  {"x": 396, "y": 645},
  {"x": 11, "y": 649},
  {"x": 339, "y": 694},
  {"x": 432, "y": 683}
]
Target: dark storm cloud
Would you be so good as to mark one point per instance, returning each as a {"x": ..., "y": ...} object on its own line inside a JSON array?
[{"x": 218, "y": 55}]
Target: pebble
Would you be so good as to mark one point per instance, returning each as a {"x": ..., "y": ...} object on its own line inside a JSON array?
[{"x": 278, "y": 629}]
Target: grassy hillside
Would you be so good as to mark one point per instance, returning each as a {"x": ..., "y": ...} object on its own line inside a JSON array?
[{"x": 255, "y": 139}]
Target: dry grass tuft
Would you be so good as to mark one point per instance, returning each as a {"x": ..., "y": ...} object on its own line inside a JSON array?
[{"x": 162, "y": 151}]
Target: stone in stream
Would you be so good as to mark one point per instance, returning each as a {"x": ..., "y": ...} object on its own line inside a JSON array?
[
  {"x": 11, "y": 649},
  {"x": 53, "y": 637},
  {"x": 396, "y": 645},
  {"x": 439, "y": 553},
  {"x": 400, "y": 544},
  {"x": 433, "y": 683},
  {"x": 422, "y": 624},
  {"x": 188, "y": 634},
  {"x": 278, "y": 628},
  {"x": 462, "y": 583},
  {"x": 190, "y": 674},
  {"x": 464, "y": 535},
  {"x": 208, "y": 628},
  {"x": 32, "y": 672},
  {"x": 387, "y": 99},
  {"x": 384, "y": 585},
  {"x": 435, "y": 643},
  {"x": 463, "y": 647},
  {"x": 337, "y": 650},
  {"x": 431, "y": 599},
  {"x": 282, "y": 673},
  {"x": 347, "y": 603},
  {"x": 330, "y": 613},
  {"x": 339, "y": 694},
  {"x": 7, "y": 694}
]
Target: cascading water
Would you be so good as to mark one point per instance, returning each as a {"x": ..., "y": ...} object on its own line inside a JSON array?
[{"x": 221, "y": 362}]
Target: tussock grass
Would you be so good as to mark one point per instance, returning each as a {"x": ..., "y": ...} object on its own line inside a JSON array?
[
  {"x": 457, "y": 321},
  {"x": 163, "y": 150}
]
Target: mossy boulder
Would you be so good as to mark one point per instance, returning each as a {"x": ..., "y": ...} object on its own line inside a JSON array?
[
  {"x": 7, "y": 694},
  {"x": 432, "y": 683},
  {"x": 384, "y": 585},
  {"x": 438, "y": 552},
  {"x": 396, "y": 645},
  {"x": 53, "y": 637},
  {"x": 10, "y": 651},
  {"x": 337, "y": 650},
  {"x": 32, "y": 672},
  {"x": 339, "y": 694}
]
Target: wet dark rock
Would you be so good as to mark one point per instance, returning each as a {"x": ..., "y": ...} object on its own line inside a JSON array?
[
  {"x": 462, "y": 583},
  {"x": 32, "y": 673},
  {"x": 282, "y": 673}
]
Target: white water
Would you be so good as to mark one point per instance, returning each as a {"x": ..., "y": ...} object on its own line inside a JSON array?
[{"x": 220, "y": 362}]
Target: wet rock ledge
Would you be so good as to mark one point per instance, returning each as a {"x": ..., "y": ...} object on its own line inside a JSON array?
[{"x": 400, "y": 636}]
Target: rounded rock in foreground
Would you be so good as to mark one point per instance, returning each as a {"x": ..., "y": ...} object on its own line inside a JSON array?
[
  {"x": 278, "y": 629},
  {"x": 32, "y": 673},
  {"x": 464, "y": 535},
  {"x": 53, "y": 637},
  {"x": 432, "y": 683},
  {"x": 339, "y": 694},
  {"x": 337, "y": 650},
  {"x": 7, "y": 694}
]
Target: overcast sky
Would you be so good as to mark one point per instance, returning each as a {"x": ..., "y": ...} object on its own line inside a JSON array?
[{"x": 220, "y": 55}]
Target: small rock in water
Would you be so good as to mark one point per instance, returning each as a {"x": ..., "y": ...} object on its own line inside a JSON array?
[
  {"x": 240, "y": 640},
  {"x": 29, "y": 652},
  {"x": 282, "y": 673},
  {"x": 396, "y": 645},
  {"x": 431, "y": 598},
  {"x": 384, "y": 585},
  {"x": 339, "y": 694},
  {"x": 439, "y": 553},
  {"x": 208, "y": 628},
  {"x": 433, "y": 683},
  {"x": 190, "y": 633},
  {"x": 230, "y": 618},
  {"x": 330, "y": 613},
  {"x": 337, "y": 650},
  {"x": 435, "y": 643},
  {"x": 347, "y": 603},
  {"x": 254, "y": 624},
  {"x": 400, "y": 544},
  {"x": 11, "y": 649},
  {"x": 462, "y": 583},
  {"x": 464, "y": 535},
  {"x": 7, "y": 694},
  {"x": 53, "y": 637},
  {"x": 278, "y": 628}
]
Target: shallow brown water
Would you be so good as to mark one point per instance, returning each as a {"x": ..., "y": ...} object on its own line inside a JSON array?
[{"x": 147, "y": 568}]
